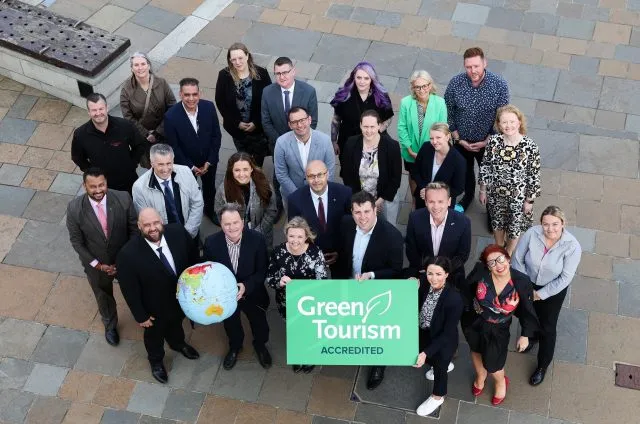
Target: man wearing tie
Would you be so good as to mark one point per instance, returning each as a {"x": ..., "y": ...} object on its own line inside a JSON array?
[
  {"x": 322, "y": 205},
  {"x": 192, "y": 129},
  {"x": 244, "y": 252},
  {"x": 148, "y": 269},
  {"x": 171, "y": 190},
  {"x": 100, "y": 222},
  {"x": 438, "y": 231}
]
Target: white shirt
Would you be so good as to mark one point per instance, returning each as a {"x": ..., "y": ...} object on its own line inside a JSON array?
[
  {"x": 303, "y": 149},
  {"x": 94, "y": 206},
  {"x": 360, "y": 244},
  {"x": 325, "y": 201},
  {"x": 193, "y": 118},
  {"x": 165, "y": 251},
  {"x": 435, "y": 168},
  {"x": 290, "y": 90},
  {"x": 436, "y": 233},
  {"x": 161, "y": 181}
]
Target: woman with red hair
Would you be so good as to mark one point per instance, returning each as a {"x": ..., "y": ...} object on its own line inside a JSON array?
[{"x": 495, "y": 292}]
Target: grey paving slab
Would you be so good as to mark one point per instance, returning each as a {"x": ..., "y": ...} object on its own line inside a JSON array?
[
  {"x": 500, "y": 17},
  {"x": 471, "y": 13},
  {"x": 620, "y": 95},
  {"x": 590, "y": 130},
  {"x": 306, "y": 70},
  {"x": 558, "y": 150},
  {"x": 22, "y": 106},
  {"x": 543, "y": 6},
  {"x": 402, "y": 388},
  {"x": 194, "y": 375},
  {"x": 16, "y": 131},
  {"x": 142, "y": 39},
  {"x": 130, "y": 4},
  {"x": 540, "y": 23},
  {"x": 326, "y": 420},
  {"x": 389, "y": 19},
  {"x": 97, "y": 356},
  {"x": 628, "y": 53},
  {"x": 578, "y": 89},
  {"x": 468, "y": 413},
  {"x": 199, "y": 51},
  {"x": 596, "y": 157},
  {"x": 19, "y": 338},
  {"x": 14, "y": 373},
  {"x": 584, "y": 65},
  {"x": 14, "y": 405},
  {"x": 284, "y": 389},
  {"x": 281, "y": 41},
  {"x": 339, "y": 50},
  {"x": 14, "y": 200},
  {"x": 66, "y": 183},
  {"x": 340, "y": 11},
  {"x": 60, "y": 346},
  {"x": 242, "y": 382},
  {"x": 147, "y": 419},
  {"x": 48, "y": 207},
  {"x": 45, "y": 379},
  {"x": 575, "y": 28},
  {"x": 632, "y": 123},
  {"x": 581, "y": 115},
  {"x": 531, "y": 81},
  {"x": 440, "y": 65},
  {"x": 633, "y": 4},
  {"x": 465, "y": 30},
  {"x": 392, "y": 59},
  {"x": 363, "y": 15},
  {"x": 12, "y": 174},
  {"x": 183, "y": 405},
  {"x": 388, "y": 82},
  {"x": 571, "y": 344},
  {"x": 629, "y": 299},
  {"x": 248, "y": 12},
  {"x": 635, "y": 37},
  {"x": 594, "y": 294},
  {"x": 47, "y": 409},
  {"x": 592, "y": 13},
  {"x": 374, "y": 414},
  {"x": 626, "y": 270},
  {"x": 520, "y": 418},
  {"x": 112, "y": 416},
  {"x": 324, "y": 90},
  {"x": 157, "y": 19},
  {"x": 585, "y": 236},
  {"x": 148, "y": 398},
  {"x": 331, "y": 73},
  {"x": 272, "y": 4},
  {"x": 438, "y": 9}
]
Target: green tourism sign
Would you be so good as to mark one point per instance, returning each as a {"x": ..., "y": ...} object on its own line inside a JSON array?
[{"x": 346, "y": 322}]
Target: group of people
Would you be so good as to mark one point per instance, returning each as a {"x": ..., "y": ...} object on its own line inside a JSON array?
[{"x": 147, "y": 237}]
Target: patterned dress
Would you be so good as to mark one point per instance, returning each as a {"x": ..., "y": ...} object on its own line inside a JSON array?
[
  {"x": 511, "y": 175},
  {"x": 369, "y": 172},
  {"x": 308, "y": 266}
]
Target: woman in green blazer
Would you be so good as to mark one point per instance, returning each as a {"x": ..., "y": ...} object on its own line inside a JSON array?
[{"x": 418, "y": 112}]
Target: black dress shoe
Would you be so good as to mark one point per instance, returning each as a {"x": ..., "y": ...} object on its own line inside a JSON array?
[
  {"x": 159, "y": 373},
  {"x": 375, "y": 377},
  {"x": 231, "y": 359},
  {"x": 264, "y": 357},
  {"x": 189, "y": 352},
  {"x": 112, "y": 337},
  {"x": 307, "y": 368},
  {"x": 296, "y": 368},
  {"x": 538, "y": 376}
]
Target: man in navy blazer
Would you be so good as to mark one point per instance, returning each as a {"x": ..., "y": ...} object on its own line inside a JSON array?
[
  {"x": 192, "y": 129},
  {"x": 244, "y": 252},
  {"x": 438, "y": 231},
  {"x": 336, "y": 203}
]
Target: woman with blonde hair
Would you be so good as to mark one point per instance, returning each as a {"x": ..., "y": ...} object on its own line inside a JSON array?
[
  {"x": 418, "y": 112},
  {"x": 510, "y": 177}
]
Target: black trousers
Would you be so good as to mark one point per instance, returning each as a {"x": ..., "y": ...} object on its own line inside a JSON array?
[
  {"x": 163, "y": 329},
  {"x": 470, "y": 178},
  {"x": 102, "y": 286},
  {"x": 209, "y": 189},
  {"x": 255, "y": 145},
  {"x": 440, "y": 365},
  {"x": 276, "y": 183},
  {"x": 257, "y": 321},
  {"x": 548, "y": 311}
]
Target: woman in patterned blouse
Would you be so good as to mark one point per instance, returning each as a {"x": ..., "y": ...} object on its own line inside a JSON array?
[
  {"x": 510, "y": 177},
  {"x": 296, "y": 259},
  {"x": 439, "y": 309}
]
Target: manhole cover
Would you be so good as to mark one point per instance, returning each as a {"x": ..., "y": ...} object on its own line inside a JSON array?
[{"x": 628, "y": 376}]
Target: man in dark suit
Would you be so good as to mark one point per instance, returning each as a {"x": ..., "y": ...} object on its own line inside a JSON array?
[
  {"x": 97, "y": 234},
  {"x": 192, "y": 129},
  {"x": 438, "y": 231},
  {"x": 370, "y": 248},
  {"x": 335, "y": 200},
  {"x": 244, "y": 252},
  {"x": 148, "y": 269},
  {"x": 278, "y": 98}
]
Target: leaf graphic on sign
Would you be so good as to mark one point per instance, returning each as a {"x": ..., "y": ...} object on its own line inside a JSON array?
[{"x": 381, "y": 301}]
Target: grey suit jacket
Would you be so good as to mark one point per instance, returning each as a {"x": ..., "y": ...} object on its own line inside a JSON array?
[
  {"x": 85, "y": 232},
  {"x": 274, "y": 121},
  {"x": 290, "y": 171}
]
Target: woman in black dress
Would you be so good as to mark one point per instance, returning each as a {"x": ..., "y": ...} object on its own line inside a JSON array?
[
  {"x": 295, "y": 259},
  {"x": 494, "y": 293}
]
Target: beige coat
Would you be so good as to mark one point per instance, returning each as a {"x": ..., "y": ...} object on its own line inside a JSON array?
[{"x": 132, "y": 100}]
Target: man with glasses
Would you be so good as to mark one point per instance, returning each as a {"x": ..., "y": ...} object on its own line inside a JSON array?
[
  {"x": 295, "y": 149},
  {"x": 278, "y": 99}
]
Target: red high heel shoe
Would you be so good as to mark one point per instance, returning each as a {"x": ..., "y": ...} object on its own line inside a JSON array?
[
  {"x": 495, "y": 401},
  {"x": 475, "y": 391}
]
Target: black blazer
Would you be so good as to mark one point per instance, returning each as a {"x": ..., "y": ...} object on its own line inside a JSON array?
[
  {"x": 193, "y": 148},
  {"x": 301, "y": 204},
  {"x": 252, "y": 263},
  {"x": 443, "y": 331},
  {"x": 389, "y": 165},
  {"x": 455, "y": 244},
  {"x": 148, "y": 287},
  {"x": 383, "y": 255},
  {"x": 226, "y": 101},
  {"x": 452, "y": 172}
]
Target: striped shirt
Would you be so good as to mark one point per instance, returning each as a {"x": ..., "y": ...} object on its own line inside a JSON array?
[{"x": 234, "y": 252}]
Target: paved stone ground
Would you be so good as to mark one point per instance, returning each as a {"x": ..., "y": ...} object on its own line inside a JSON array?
[{"x": 574, "y": 69}]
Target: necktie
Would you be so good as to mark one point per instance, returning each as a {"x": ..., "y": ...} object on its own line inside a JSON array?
[
  {"x": 287, "y": 104},
  {"x": 171, "y": 202},
  {"x": 102, "y": 218},
  {"x": 321, "y": 217},
  {"x": 165, "y": 261}
]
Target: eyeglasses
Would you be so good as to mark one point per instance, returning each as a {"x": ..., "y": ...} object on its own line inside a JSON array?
[
  {"x": 283, "y": 73},
  {"x": 499, "y": 260},
  {"x": 422, "y": 87},
  {"x": 316, "y": 176},
  {"x": 299, "y": 121}
]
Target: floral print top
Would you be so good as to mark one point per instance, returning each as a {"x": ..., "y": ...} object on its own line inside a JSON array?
[
  {"x": 492, "y": 307},
  {"x": 244, "y": 95},
  {"x": 429, "y": 307}
]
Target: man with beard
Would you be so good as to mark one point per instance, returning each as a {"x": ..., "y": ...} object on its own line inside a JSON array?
[
  {"x": 100, "y": 222},
  {"x": 110, "y": 143},
  {"x": 148, "y": 269}
]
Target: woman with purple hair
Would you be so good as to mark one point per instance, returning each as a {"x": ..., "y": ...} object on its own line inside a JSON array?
[{"x": 361, "y": 91}]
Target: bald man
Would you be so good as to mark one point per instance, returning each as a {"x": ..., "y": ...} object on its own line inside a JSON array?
[{"x": 148, "y": 269}]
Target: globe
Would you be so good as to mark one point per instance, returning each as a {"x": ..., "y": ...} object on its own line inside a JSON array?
[{"x": 207, "y": 293}]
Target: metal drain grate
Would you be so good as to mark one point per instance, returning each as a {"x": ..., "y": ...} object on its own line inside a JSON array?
[{"x": 628, "y": 376}]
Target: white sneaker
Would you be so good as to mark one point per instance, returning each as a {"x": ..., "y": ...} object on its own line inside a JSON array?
[
  {"x": 429, "y": 406},
  {"x": 429, "y": 374}
]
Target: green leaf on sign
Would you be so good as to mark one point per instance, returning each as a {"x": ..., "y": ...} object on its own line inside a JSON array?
[{"x": 381, "y": 302}]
